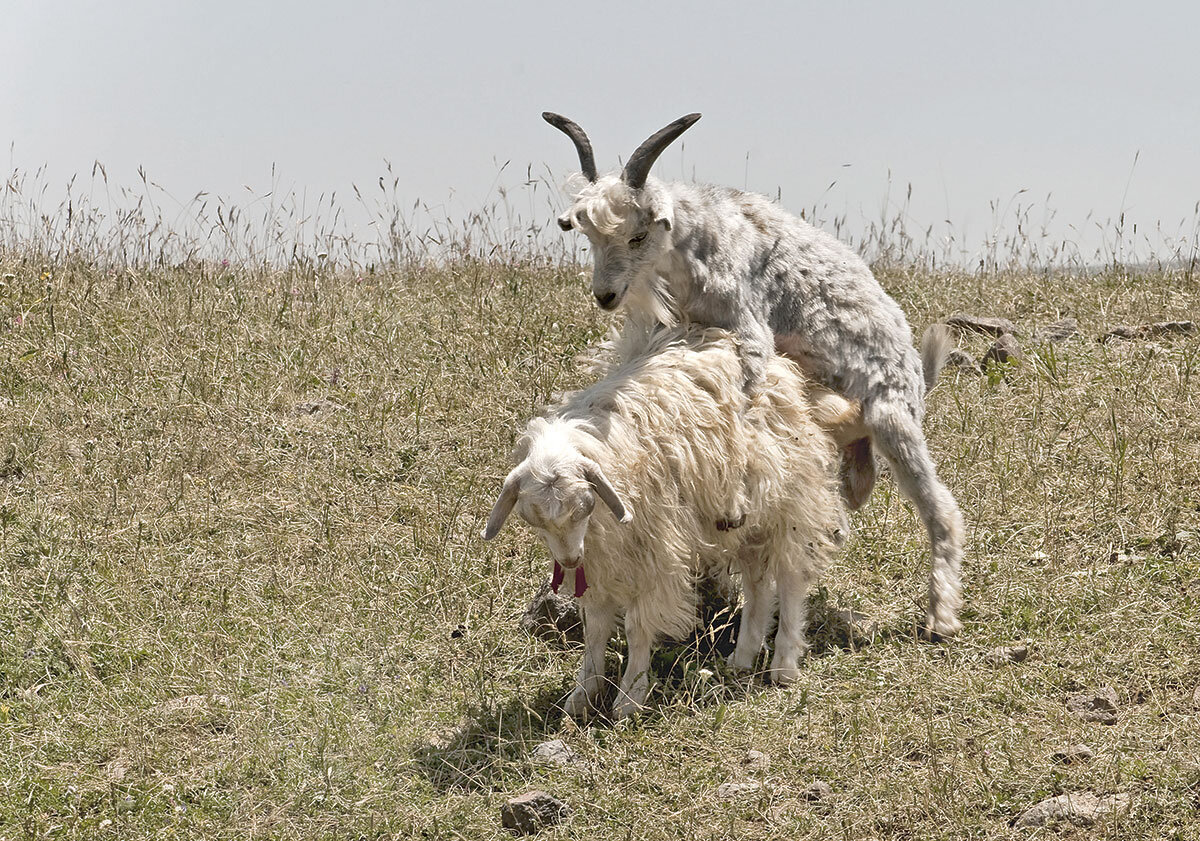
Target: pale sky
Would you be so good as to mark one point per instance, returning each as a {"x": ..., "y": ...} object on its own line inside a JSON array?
[{"x": 967, "y": 102}]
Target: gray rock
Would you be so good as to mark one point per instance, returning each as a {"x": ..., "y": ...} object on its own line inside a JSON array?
[
  {"x": 856, "y": 629},
  {"x": 962, "y": 361},
  {"x": 1100, "y": 705},
  {"x": 553, "y": 616},
  {"x": 1057, "y": 332},
  {"x": 738, "y": 791},
  {"x": 981, "y": 324},
  {"x": 532, "y": 812},
  {"x": 1150, "y": 331},
  {"x": 817, "y": 792},
  {"x": 1071, "y": 754},
  {"x": 756, "y": 760},
  {"x": 1004, "y": 654},
  {"x": 1081, "y": 808},
  {"x": 1004, "y": 349},
  {"x": 556, "y": 752},
  {"x": 1196, "y": 697},
  {"x": 308, "y": 408}
]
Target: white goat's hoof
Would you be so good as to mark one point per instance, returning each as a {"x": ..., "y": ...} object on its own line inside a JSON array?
[
  {"x": 741, "y": 663},
  {"x": 625, "y": 707},
  {"x": 578, "y": 704},
  {"x": 783, "y": 675}
]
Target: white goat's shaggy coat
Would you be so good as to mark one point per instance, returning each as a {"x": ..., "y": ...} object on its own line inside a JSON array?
[
  {"x": 674, "y": 253},
  {"x": 668, "y": 433}
]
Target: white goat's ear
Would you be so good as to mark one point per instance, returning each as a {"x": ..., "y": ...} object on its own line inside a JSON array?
[
  {"x": 666, "y": 222},
  {"x": 600, "y": 484},
  {"x": 503, "y": 507}
]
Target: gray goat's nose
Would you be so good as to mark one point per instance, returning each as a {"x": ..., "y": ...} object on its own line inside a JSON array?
[{"x": 606, "y": 300}]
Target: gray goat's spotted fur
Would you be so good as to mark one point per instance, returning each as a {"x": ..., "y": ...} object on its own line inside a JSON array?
[{"x": 717, "y": 256}]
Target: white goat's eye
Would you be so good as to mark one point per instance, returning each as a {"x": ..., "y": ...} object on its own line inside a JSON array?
[{"x": 638, "y": 240}]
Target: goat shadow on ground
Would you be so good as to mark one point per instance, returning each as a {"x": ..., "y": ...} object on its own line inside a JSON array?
[{"x": 490, "y": 749}]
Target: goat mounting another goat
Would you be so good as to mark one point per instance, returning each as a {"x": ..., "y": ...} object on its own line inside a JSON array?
[{"x": 672, "y": 253}]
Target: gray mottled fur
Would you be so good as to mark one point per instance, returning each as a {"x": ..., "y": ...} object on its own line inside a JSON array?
[{"x": 730, "y": 259}]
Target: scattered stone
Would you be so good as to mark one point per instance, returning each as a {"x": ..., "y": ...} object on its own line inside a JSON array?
[
  {"x": 737, "y": 791},
  {"x": 981, "y": 324},
  {"x": 1196, "y": 698},
  {"x": 308, "y": 408},
  {"x": 556, "y": 752},
  {"x": 553, "y": 616},
  {"x": 1057, "y": 332},
  {"x": 1071, "y": 754},
  {"x": 1038, "y": 558},
  {"x": 188, "y": 704},
  {"x": 817, "y": 792},
  {"x": 756, "y": 760},
  {"x": 1150, "y": 331},
  {"x": 532, "y": 812},
  {"x": 1004, "y": 654},
  {"x": 1005, "y": 349},
  {"x": 1100, "y": 705},
  {"x": 962, "y": 361},
  {"x": 1081, "y": 808}
]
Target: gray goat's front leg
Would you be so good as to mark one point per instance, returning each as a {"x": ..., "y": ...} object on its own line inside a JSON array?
[
  {"x": 599, "y": 617},
  {"x": 756, "y": 345}
]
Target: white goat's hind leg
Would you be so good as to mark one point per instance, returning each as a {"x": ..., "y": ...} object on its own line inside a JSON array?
[
  {"x": 898, "y": 436},
  {"x": 599, "y": 616},
  {"x": 635, "y": 685},
  {"x": 758, "y": 597},
  {"x": 793, "y": 583}
]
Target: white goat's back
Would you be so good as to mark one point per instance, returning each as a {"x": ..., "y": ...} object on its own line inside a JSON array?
[{"x": 666, "y": 423}]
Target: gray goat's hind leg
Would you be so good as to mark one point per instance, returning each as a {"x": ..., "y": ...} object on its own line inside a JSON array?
[{"x": 898, "y": 436}]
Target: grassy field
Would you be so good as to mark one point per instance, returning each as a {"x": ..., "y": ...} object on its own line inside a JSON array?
[{"x": 244, "y": 593}]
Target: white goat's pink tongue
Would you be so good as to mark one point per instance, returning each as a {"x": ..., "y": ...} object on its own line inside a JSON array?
[{"x": 556, "y": 579}]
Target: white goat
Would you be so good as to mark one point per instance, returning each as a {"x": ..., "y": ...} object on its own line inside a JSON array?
[
  {"x": 664, "y": 440},
  {"x": 673, "y": 252}
]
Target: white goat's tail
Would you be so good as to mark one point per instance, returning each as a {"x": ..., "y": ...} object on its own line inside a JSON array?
[{"x": 936, "y": 344}]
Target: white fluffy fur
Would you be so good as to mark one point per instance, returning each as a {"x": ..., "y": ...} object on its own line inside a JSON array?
[{"x": 670, "y": 432}]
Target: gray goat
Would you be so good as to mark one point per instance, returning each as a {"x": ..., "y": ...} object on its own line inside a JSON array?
[{"x": 675, "y": 252}]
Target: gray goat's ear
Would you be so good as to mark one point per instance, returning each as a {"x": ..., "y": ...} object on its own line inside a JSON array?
[
  {"x": 604, "y": 489},
  {"x": 503, "y": 507}
]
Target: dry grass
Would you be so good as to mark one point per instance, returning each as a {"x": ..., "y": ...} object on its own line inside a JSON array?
[{"x": 264, "y": 487}]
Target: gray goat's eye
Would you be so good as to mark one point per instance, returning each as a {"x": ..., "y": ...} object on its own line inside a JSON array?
[{"x": 638, "y": 240}]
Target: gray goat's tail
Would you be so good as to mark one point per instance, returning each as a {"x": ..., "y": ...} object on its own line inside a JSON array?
[{"x": 936, "y": 344}]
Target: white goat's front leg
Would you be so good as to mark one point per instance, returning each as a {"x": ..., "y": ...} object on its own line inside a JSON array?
[
  {"x": 758, "y": 595},
  {"x": 790, "y": 645},
  {"x": 599, "y": 616},
  {"x": 635, "y": 685}
]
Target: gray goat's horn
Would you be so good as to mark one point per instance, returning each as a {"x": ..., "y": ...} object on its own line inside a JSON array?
[
  {"x": 640, "y": 162},
  {"x": 587, "y": 161}
]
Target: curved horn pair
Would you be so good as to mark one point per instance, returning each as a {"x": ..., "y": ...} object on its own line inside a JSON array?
[{"x": 640, "y": 162}]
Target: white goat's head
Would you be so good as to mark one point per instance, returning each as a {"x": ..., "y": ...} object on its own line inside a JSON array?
[
  {"x": 626, "y": 219},
  {"x": 554, "y": 489}
]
